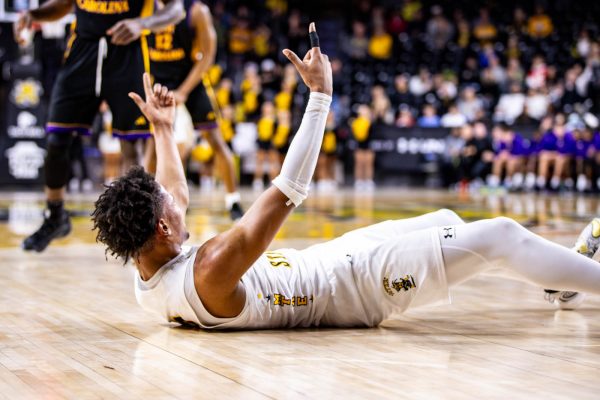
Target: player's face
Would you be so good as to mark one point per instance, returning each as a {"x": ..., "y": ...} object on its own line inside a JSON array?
[{"x": 175, "y": 218}]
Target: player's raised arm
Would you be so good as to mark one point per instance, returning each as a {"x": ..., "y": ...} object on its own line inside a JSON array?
[
  {"x": 159, "y": 108},
  {"x": 223, "y": 260},
  {"x": 128, "y": 30},
  {"x": 51, "y": 10}
]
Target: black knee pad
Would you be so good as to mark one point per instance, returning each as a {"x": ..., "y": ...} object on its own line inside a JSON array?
[{"x": 57, "y": 165}]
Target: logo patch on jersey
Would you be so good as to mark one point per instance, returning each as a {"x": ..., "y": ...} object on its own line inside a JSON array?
[
  {"x": 296, "y": 301},
  {"x": 140, "y": 121},
  {"x": 26, "y": 93},
  {"x": 399, "y": 285},
  {"x": 449, "y": 232}
]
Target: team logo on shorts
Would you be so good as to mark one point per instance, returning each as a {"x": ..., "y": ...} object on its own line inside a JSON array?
[
  {"x": 210, "y": 116},
  {"x": 140, "y": 121},
  {"x": 399, "y": 284},
  {"x": 26, "y": 93}
]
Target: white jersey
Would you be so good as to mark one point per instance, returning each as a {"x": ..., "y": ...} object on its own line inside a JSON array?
[
  {"x": 359, "y": 279},
  {"x": 282, "y": 290}
]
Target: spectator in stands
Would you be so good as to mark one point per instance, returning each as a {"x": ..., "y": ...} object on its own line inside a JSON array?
[
  {"x": 570, "y": 95},
  {"x": 514, "y": 72},
  {"x": 405, "y": 118},
  {"x": 429, "y": 119},
  {"x": 539, "y": 25},
  {"x": 453, "y": 118},
  {"x": 439, "y": 30},
  {"x": 223, "y": 93},
  {"x": 469, "y": 74},
  {"x": 518, "y": 26},
  {"x": 513, "y": 51},
  {"x": 450, "y": 159},
  {"x": 584, "y": 44},
  {"x": 381, "y": 107},
  {"x": 536, "y": 104},
  {"x": 485, "y": 152},
  {"x": 511, "y": 105},
  {"x": 296, "y": 33},
  {"x": 421, "y": 83},
  {"x": 536, "y": 78},
  {"x": 358, "y": 45},
  {"x": 470, "y": 105},
  {"x": 445, "y": 88},
  {"x": 484, "y": 29},
  {"x": 251, "y": 89},
  {"x": 494, "y": 75},
  {"x": 261, "y": 41},
  {"x": 401, "y": 95},
  {"x": 380, "y": 42},
  {"x": 240, "y": 34},
  {"x": 463, "y": 36},
  {"x": 364, "y": 157}
]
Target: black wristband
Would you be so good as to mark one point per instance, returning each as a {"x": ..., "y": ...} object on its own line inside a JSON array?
[{"x": 314, "y": 39}]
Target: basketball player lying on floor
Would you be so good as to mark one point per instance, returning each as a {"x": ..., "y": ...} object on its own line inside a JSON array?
[{"x": 358, "y": 279}]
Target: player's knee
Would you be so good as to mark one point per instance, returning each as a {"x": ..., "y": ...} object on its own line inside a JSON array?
[
  {"x": 505, "y": 227},
  {"x": 449, "y": 217},
  {"x": 57, "y": 166}
]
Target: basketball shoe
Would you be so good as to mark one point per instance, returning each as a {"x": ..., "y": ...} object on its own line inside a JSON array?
[
  {"x": 54, "y": 227},
  {"x": 587, "y": 244}
]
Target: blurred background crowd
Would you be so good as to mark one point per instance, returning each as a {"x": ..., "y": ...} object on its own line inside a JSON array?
[{"x": 510, "y": 90}]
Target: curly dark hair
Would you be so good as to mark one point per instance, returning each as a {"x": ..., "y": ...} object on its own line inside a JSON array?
[{"x": 127, "y": 212}]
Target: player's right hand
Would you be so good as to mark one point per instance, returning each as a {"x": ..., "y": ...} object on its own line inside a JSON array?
[
  {"x": 159, "y": 107},
  {"x": 23, "y": 22},
  {"x": 314, "y": 69}
]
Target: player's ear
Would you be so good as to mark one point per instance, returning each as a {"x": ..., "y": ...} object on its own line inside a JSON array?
[{"x": 162, "y": 228}]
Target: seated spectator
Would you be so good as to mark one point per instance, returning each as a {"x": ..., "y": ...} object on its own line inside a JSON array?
[
  {"x": 439, "y": 29},
  {"x": 485, "y": 152},
  {"x": 470, "y": 72},
  {"x": 364, "y": 157},
  {"x": 511, "y": 105},
  {"x": 405, "y": 117},
  {"x": 483, "y": 29},
  {"x": 518, "y": 26},
  {"x": 539, "y": 25},
  {"x": 421, "y": 83},
  {"x": 240, "y": 34},
  {"x": 429, "y": 119},
  {"x": 508, "y": 164},
  {"x": 514, "y": 72},
  {"x": 536, "y": 78},
  {"x": 453, "y": 118},
  {"x": 536, "y": 104},
  {"x": 450, "y": 159},
  {"x": 358, "y": 45},
  {"x": 402, "y": 94},
  {"x": 445, "y": 87},
  {"x": 470, "y": 105},
  {"x": 495, "y": 74},
  {"x": 584, "y": 156},
  {"x": 265, "y": 131},
  {"x": 570, "y": 95},
  {"x": 380, "y": 43},
  {"x": 381, "y": 106}
]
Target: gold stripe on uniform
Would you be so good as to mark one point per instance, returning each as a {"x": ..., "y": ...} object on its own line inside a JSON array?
[
  {"x": 145, "y": 54},
  {"x": 71, "y": 39},
  {"x": 147, "y": 11},
  {"x": 212, "y": 97}
]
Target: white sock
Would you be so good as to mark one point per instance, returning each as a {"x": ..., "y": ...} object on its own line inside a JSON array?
[{"x": 231, "y": 199}]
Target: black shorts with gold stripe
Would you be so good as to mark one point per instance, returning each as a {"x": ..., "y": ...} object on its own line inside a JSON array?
[
  {"x": 85, "y": 80},
  {"x": 201, "y": 105}
]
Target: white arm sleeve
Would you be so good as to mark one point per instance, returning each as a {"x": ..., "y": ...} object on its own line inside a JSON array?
[{"x": 301, "y": 159}]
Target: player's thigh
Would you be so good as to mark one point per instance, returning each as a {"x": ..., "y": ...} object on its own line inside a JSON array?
[
  {"x": 123, "y": 71},
  {"x": 73, "y": 103},
  {"x": 201, "y": 109}
]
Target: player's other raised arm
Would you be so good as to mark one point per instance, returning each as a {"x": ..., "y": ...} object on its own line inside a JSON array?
[
  {"x": 159, "y": 108},
  {"x": 223, "y": 260}
]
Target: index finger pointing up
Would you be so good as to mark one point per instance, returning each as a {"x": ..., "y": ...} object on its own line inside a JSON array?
[
  {"x": 314, "y": 38},
  {"x": 147, "y": 86}
]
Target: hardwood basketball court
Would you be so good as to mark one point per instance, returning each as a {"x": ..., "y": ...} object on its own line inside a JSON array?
[{"x": 70, "y": 326}]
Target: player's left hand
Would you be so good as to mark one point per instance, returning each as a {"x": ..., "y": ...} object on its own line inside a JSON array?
[
  {"x": 159, "y": 107},
  {"x": 125, "y": 31}
]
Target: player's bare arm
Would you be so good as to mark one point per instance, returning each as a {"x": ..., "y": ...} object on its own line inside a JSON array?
[
  {"x": 128, "y": 30},
  {"x": 159, "y": 108},
  {"x": 52, "y": 10},
  {"x": 205, "y": 46},
  {"x": 223, "y": 260}
]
